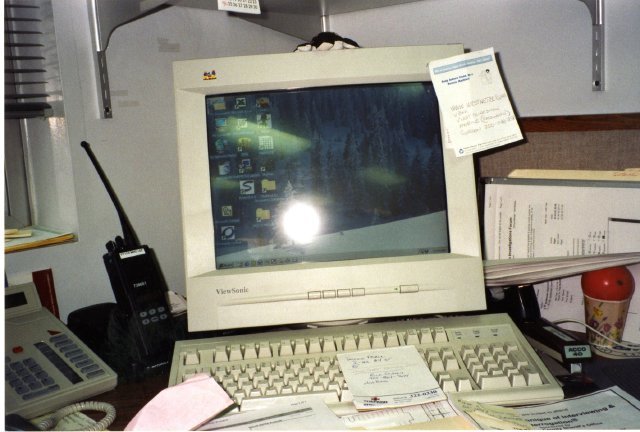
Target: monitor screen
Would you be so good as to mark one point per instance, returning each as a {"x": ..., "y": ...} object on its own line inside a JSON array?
[
  {"x": 326, "y": 174},
  {"x": 318, "y": 187}
]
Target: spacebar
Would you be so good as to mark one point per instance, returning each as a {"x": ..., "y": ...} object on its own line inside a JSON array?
[{"x": 253, "y": 403}]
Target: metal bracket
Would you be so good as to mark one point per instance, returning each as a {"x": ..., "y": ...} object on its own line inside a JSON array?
[
  {"x": 596, "y": 9},
  {"x": 106, "y": 16},
  {"x": 103, "y": 83}
]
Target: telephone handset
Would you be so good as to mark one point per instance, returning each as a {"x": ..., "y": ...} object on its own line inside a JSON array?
[
  {"x": 15, "y": 422},
  {"x": 50, "y": 422},
  {"x": 143, "y": 315}
]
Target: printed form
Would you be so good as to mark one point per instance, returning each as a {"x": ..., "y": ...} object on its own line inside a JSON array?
[{"x": 534, "y": 220}]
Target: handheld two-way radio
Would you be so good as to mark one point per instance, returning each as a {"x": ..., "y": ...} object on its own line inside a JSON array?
[{"x": 140, "y": 292}]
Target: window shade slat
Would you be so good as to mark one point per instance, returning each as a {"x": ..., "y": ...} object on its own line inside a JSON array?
[{"x": 24, "y": 61}]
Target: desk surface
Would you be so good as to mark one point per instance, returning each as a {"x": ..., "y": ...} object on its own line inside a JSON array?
[{"x": 129, "y": 397}]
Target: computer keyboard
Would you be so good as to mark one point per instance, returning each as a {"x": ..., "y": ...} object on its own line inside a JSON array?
[{"x": 482, "y": 357}]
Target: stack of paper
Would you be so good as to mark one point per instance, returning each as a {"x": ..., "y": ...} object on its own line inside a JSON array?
[{"x": 509, "y": 272}]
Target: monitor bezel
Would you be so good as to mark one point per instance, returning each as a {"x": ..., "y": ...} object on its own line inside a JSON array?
[{"x": 254, "y": 297}]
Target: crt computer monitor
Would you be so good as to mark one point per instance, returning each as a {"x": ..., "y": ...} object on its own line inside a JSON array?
[{"x": 315, "y": 187}]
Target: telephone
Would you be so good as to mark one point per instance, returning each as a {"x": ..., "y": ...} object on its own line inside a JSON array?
[{"x": 46, "y": 366}]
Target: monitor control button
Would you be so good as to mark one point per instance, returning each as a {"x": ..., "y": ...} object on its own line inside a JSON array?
[{"x": 408, "y": 289}]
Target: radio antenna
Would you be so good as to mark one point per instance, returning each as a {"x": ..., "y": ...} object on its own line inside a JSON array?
[{"x": 129, "y": 235}]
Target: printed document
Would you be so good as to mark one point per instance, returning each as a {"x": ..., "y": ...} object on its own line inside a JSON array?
[
  {"x": 389, "y": 377},
  {"x": 612, "y": 408},
  {"x": 474, "y": 103},
  {"x": 298, "y": 415},
  {"x": 434, "y": 415},
  {"x": 536, "y": 220}
]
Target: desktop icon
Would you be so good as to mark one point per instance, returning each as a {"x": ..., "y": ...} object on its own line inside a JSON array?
[
  {"x": 264, "y": 120},
  {"x": 218, "y": 103},
  {"x": 263, "y": 102},
  {"x": 224, "y": 168},
  {"x": 228, "y": 232},
  {"x": 227, "y": 211},
  {"x": 244, "y": 144},
  {"x": 265, "y": 143},
  {"x": 241, "y": 102},
  {"x": 262, "y": 214},
  {"x": 268, "y": 185},
  {"x": 245, "y": 166},
  {"x": 247, "y": 187}
]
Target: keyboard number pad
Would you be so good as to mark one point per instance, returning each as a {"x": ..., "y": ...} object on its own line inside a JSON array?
[{"x": 494, "y": 366}]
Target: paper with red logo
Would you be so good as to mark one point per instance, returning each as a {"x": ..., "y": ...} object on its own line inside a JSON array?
[{"x": 389, "y": 378}]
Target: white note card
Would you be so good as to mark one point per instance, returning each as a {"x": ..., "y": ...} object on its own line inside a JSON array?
[
  {"x": 240, "y": 6},
  {"x": 474, "y": 103},
  {"x": 389, "y": 378}
]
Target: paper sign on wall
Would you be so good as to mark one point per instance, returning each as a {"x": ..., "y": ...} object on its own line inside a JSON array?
[
  {"x": 474, "y": 103},
  {"x": 240, "y": 6}
]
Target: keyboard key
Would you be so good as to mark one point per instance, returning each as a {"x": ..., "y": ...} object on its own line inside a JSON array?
[
  {"x": 392, "y": 339},
  {"x": 377, "y": 340},
  {"x": 426, "y": 337},
  {"x": 329, "y": 345},
  {"x": 494, "y": 382},
  {"x": 235, "y": 352},
  {"x": 191, "y": 358},
  {"x": 221, "y": 354},
  {"x": 264, "y": 350},
  {"x": 349, "y": 343},
  {"x": 285, "y": 348},
  {"x": 250, "y": 352},
  {"x": 440, "y": 335},
  {"x": 532, "y": 376}
]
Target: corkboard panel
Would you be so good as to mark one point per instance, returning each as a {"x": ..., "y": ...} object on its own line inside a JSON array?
[{"x": 585, "y": 150}]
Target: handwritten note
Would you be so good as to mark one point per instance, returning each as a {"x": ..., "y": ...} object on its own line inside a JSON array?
[
  {"x": 389, "y": 378},
  {"x": 474, "y": 103}
]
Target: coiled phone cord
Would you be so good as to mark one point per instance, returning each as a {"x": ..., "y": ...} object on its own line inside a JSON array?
[{"x": 109, "y": 410}]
